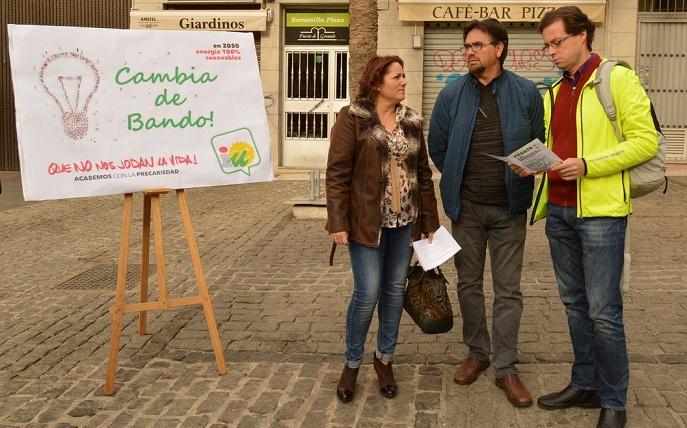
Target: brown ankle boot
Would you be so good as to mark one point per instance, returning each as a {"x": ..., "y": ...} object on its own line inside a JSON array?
[
  {"x": 385, "y": 376},
  {"x": 346, "y": 385}
]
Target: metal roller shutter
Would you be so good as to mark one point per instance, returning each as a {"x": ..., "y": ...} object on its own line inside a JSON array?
[
  {"x": 443, "y": 60},
  {"x": 662, "y": 66}
]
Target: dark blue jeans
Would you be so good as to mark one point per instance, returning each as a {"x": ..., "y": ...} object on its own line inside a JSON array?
[
  {"x": 379, "y": 279},
  {"x": 588, "y": 259}
]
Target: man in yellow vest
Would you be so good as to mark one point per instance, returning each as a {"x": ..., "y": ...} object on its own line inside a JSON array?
[{"x": 586, "y": 199}]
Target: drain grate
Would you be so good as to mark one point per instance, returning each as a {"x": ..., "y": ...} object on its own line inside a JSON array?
[{"x": 104, "y": 277}]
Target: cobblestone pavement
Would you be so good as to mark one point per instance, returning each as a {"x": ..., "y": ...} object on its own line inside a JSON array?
[{"x": 280, "y": 311}]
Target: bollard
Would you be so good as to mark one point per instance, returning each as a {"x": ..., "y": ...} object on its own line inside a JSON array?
[{"x": 315, "y": 185}]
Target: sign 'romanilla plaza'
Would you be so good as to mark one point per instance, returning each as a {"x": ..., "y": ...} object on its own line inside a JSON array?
[{"x": 103, "y": 111}]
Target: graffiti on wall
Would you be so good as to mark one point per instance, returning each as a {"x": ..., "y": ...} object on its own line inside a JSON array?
[
  {"x": 452, "y": 64},
  {"x": 269, "y": 101}
]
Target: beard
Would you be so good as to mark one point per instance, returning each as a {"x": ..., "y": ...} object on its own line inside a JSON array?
[{"x": 475, "y": 67}]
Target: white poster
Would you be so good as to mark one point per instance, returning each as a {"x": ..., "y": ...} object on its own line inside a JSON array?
[{"x": 103, "y": 111}]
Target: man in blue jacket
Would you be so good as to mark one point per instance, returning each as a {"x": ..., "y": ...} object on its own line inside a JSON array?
[{"x": 489, "y": 110}]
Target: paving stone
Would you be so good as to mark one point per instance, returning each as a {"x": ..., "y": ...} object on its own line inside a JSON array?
[
  {"x": 280, "y": 380},
  {"x": 370, "y": 424},
  {"x": 158, "y": 406},
  {"x": 673, "y": 358},
  {"x": 288, "y": 410},
  {"x": 677, "y": 401},
  {"x": 200, "y": 387},
  {"x": 309, "y": 371},
  {"x": 179, "y": 407},
  {"x": 430, "y": 383},
  {"x": 251, "y": 388},
  {"x": 230, "y": 380},
  {"x": 649, "y": 398},
  {"x": 166, "y": 422},
  {"x": 430, "y": 370},
  {"x": 10, "y": 387},
  {"x": 302, "y": 388},
  {"x": 314, "y": 420},
  {"x": 233, "y": 412},
  {"x": 196, "y": 421},
  {"x": 427, "y": 401},
  {"x": 85, "y": 408},
  {"x": 425, "y": 420},
  {"x": 266, "y": 403},
  {"x": 322, "y": 401},
  {"x": 213, "y": 402},
  {"x": 123, "y": 419},
  {"x": 252, "y": 421},
  {"x": 402, "y": 409},
  {"x": 375, "y": 406},
  {"x": 664, "y": 382},
  {"x": 27, "y": 412},
  {"x": 261, "y": 371},
  {"x": 55, "y": 410},
  {"x": 661, "y": 417}
]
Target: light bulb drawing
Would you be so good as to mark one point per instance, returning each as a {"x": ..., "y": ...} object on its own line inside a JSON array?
[{"x": 71, "y": 79}]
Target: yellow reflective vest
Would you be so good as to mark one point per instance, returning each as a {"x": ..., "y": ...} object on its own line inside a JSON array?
[{"x": 604, "y": 191}]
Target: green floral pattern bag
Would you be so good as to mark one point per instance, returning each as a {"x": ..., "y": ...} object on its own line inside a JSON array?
[{"x": 426, "y": 300}]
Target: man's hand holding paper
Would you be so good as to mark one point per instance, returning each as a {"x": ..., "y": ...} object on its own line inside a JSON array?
[{"x": 532, "y": 158}]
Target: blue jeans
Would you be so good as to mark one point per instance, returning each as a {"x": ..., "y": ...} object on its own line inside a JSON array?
[
  {"x": 379, "y": 276},
  {"x": 588, "y": 260}
]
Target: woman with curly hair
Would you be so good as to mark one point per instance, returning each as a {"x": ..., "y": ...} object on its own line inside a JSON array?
[{"x": 380, "y": 197}]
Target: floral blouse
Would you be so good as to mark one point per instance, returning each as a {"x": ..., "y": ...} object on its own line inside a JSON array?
[{"x": 397, "y": 207}]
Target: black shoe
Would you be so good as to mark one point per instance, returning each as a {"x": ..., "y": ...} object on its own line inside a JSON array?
[
  {"x": 612, "y": 419},
  {"x": 570, "y": 397}
]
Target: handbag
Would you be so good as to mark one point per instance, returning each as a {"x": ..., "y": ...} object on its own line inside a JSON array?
[{"x": 426, "y": 300}]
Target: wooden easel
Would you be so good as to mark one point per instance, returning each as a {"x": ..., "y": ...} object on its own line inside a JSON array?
[{"x": 151, "y": 208}]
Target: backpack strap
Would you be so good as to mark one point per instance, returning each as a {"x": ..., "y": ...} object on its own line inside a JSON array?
[{"x": 602, "y": 86}]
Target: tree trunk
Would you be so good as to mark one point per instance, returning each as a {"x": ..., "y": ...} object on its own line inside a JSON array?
[{"x": 362, "y": 40}]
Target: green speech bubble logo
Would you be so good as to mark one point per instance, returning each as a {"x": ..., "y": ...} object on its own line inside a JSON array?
[{"x": 236, "y": 151}]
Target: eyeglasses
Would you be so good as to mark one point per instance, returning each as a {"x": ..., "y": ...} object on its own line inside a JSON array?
[
  {"x": 476, "y": 47},
  {"x": 556, "y": 43}
]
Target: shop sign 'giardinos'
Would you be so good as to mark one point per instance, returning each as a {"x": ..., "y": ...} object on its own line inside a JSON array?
[
  {"x": 230, "y": 20},
  {"x": 211, "y": 24}
]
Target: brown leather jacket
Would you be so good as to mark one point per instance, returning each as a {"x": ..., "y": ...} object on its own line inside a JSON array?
[{"x": 356, "y": 179}]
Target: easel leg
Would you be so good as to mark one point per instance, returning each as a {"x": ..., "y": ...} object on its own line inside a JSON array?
[
  {"x": 145, "y": 264},
  {"x": 118, "y": 308},
  {"x": 159, "y": 251},
  {"x": 202, "y": 286}
]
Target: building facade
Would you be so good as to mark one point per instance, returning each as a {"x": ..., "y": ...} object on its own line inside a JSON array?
[
  {"x": 75, "y": 13},
  {"x": 302, "y": 47}
]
